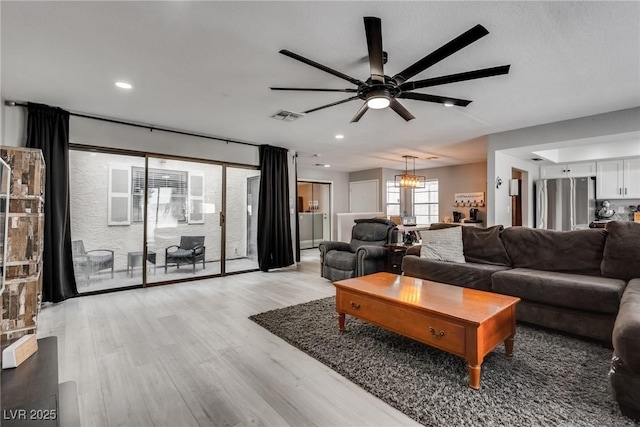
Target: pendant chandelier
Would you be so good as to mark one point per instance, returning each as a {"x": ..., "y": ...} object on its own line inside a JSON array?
[{"x": 408, "y": 180}]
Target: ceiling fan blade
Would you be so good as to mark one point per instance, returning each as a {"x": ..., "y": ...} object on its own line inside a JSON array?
[
  {"x": 460, "y": 77},
  {"x": 306, "y": 89},
  {"x": 360, "y": 113},
  {"x": 321, "y": 67},
  {"x": 399, "y": 108},
  {"x": 373, "y": 28},
  {"x": 439, "y": 54},
  {"x": 332, "y": 104},
  {"x": 434, "y": 98}
]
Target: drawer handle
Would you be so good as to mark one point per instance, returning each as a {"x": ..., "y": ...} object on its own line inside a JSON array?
[
  {"x": 355, "y": 305},
  {"x": 436, "y": 334}
]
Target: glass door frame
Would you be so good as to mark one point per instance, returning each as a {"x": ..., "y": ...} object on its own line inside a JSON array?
[
  {"x": 330, "y": 212},
  {"x": 146, "y": 156}
]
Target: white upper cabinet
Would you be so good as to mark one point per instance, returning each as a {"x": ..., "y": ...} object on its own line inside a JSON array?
[
  {"x": 569, "y": 170},
  {"x": 631, "y": 178},
  {"x": 618, "y": 179}
]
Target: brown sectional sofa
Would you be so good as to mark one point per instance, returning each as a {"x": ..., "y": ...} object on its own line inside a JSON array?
[{"x": 585, "y": 282}]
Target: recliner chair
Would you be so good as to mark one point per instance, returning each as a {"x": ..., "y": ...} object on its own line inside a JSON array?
[{"x": 365, "y": 254}]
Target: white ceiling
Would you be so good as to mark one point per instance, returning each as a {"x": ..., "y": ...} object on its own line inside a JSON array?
[{"x": 207, "y": 67}]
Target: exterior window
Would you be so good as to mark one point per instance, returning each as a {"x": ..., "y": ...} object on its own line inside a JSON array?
[
  {"x": 167, "y": 195},
  {"x": 393, "y": 199},
  {"x": 425, "y": 203}
]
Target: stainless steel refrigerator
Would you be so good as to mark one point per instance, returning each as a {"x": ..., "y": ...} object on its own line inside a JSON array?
[{"x": 565, "y": 203}]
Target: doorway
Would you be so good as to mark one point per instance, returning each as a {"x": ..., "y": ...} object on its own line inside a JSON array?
[
  {"x": 314, "y": 213},
  {"x": 515, "y": 191}
]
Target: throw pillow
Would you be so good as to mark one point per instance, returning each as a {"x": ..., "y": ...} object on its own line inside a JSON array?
[
  {"x": 481, "y": 245},
  {"x": 622, "y": 250},
  {"x": 442, "y": 245},
  {"x": 484, "y": 246}
]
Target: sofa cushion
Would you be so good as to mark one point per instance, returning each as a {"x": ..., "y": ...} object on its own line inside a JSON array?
[
  {"x": 626, "y": 331},
  {"x": 582, "y": 292},
  {"x": 481, "y": 245},
  {"x": 442, "y": 245},
  {"x": 484, "y": 245},
  {"x": 468, "y": 275},
  {"x": 622, "y": 251},
  {"x": 578, "y": 251}
]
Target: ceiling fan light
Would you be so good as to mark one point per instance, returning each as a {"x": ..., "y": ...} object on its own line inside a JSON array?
[{"x": 378, "y": 102}]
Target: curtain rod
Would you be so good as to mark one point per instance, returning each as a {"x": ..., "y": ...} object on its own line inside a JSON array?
[{"x": 151, "y": 128}]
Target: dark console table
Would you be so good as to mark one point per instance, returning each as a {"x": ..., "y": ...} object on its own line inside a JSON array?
[{"x": 31, "y": 395}]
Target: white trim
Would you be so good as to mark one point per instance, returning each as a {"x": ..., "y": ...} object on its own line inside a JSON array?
[
  {"x": 195, "y": 198},
  {"x": 119, "y": 195}
]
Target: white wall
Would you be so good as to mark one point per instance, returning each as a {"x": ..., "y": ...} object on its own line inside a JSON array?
[
  {"x": 104, "y": 134},
  {"x": 570, "y": 131},
  {"x": 499, "y": 201},
  {"x": 14, "y": 126}
]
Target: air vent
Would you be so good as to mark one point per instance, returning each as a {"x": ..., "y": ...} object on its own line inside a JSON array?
[
  {"x": 537, "y": 159},
  {"x": 287, "y": 116}
]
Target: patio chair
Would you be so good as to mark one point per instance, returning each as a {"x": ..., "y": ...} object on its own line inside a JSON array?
[
  {"x": 190, "y": 251},
  {"x": 91, "y": 262}
]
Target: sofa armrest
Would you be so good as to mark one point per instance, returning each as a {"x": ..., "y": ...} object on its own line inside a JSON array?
[
  {"x": 414, "y": 250},
  {"x": 370, "y": 259},
  {"x": 327, "y": 246},
  {"x": 626, "y": 331},
  {"x": 371, "y": 251}
]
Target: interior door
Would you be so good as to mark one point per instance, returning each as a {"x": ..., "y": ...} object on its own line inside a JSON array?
[{"x": 363, "y": 196}]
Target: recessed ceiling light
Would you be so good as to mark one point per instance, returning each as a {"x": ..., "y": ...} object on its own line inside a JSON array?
[
  {"x": 124, "y": 85},
  {"x": 448, "y": 104},
  {"x": 323, "y": 165},
  {"x": 339, "y": 136}
]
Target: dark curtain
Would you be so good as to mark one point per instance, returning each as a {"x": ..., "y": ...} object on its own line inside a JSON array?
[
  {"x": 48, "y": 130},
  {"x": 274, "y": 223}
]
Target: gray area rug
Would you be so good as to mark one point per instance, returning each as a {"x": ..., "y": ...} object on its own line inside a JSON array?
[{"x": 551, "y": 380}]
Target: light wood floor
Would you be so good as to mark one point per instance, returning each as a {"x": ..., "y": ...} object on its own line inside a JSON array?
[{"x": 187, "y": 355}]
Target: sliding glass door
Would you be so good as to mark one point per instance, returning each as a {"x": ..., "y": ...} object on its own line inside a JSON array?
[
  {"x": 184, "y": 202},
  {"x": 241, "y": 232},
  {"x": 105, "y": 231},
  {"x": 187, "y": 211},
  {"x": 314, "y": 213}
]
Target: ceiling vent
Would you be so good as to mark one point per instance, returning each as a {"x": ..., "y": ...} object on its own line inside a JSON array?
[
  {"x": 287, "y": 116},
  {"x": 537, "y": 159}
]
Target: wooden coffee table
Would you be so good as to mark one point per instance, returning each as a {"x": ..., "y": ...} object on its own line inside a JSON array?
[{"x": 465, "y": 322}]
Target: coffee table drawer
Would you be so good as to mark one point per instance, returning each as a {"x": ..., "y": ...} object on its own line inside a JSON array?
[{"x": 424, "y": 327}]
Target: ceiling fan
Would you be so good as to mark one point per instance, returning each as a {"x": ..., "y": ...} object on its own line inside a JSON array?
[{"x": 381, "y": 91}]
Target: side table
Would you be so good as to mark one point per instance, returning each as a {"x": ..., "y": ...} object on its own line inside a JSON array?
[
  {"x": 395, "y": 253},
  {"x": 134, "y": 259}
]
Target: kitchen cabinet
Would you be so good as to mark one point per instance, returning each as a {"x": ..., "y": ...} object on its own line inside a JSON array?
[
  {"x": 618, "y": 179},
  {"x": 568, "y": 170}
]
